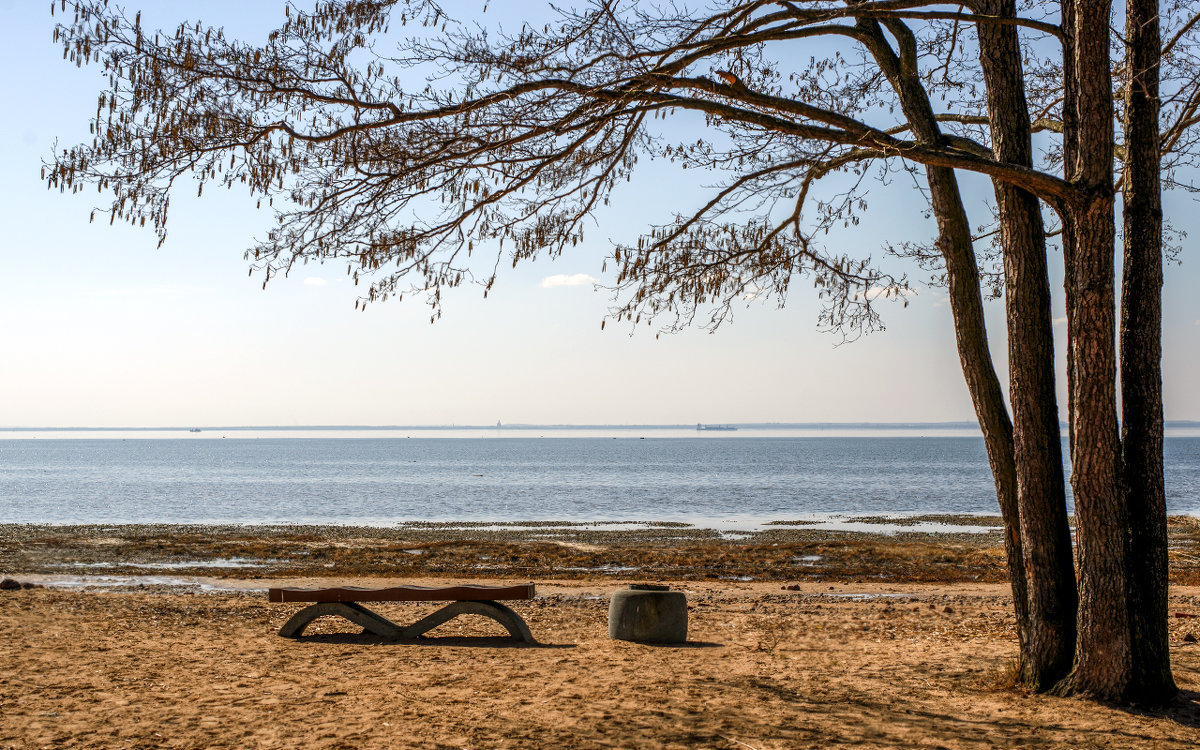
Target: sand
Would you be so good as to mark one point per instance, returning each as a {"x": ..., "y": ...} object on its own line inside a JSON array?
[
  {"x": 820, "y": 665},
  {"x": 162, "y": 637}
]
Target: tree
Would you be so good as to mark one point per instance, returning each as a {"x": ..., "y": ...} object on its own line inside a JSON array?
[
  {"x": 1141, "y": 353},
  {"x": 1047, "y": 562},
  {"x": 527, "y": 135}
]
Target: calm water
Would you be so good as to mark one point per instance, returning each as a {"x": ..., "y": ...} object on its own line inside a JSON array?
[{"x": 705, "y": 479}]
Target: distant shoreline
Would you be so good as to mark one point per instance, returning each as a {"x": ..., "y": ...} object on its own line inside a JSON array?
[
  {"x": 523, "y": 426},
  {"x": 882, "y": 426},
  {"x": 731, "y": 430}
]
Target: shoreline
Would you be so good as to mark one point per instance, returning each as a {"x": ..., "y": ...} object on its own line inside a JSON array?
[
  {"x": 938, "y": 524},
  {"x": 870, "y": 523}
]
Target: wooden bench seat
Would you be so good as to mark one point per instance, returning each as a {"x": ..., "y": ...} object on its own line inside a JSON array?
[{"x": 343, "y": 601}]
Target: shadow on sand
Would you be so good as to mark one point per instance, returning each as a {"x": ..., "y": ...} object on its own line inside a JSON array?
[
  {"x": 1184, "y": 710},
  {"x": 370, "y": 639},
  {"x": 829, "y": 716},
  {"x": 686, "y": 644}
]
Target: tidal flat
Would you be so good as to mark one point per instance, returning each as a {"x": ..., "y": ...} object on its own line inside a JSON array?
[{"x": 800, "y": 552}]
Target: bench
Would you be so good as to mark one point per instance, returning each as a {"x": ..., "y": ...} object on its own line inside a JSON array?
[{"x": 344, "y": 601}]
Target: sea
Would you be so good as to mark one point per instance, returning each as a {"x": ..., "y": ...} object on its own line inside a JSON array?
[{"x": 741, "y": 479}]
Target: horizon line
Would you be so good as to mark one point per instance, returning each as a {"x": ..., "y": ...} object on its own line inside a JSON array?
[
  {"x": 959, "y": 424},
  {"x": 504, "y": 426}
]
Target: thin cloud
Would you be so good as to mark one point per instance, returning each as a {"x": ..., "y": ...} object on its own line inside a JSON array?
[
  {"x": 1060, "y": 321},
  {"x": 562, "y": 279},
  {"x": 315, "y": 281},
  {"x": 890, "y": 291}
]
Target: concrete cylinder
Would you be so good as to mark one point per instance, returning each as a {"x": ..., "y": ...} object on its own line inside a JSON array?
[{"x": 648, "y": 614}]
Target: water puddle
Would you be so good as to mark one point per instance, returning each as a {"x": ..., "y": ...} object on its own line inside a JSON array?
[
  {"x": 604, "y": 569},
  {"x": 544, "y": 527},
  {"x": 891, "y": 529},
  {"x": 102, "y": 582},
  {"x": 865, "y": 597}
]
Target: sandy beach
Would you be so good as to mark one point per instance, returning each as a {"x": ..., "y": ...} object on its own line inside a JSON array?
[{"x": 110, "y": 655}]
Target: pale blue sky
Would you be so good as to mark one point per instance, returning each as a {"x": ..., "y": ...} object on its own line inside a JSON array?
[{"x": 103, "y": 329}]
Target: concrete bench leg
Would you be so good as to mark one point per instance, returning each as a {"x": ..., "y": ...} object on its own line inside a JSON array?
[
  {"x": 511, "y": 621},
  {"x": 383, "y": 627},
  {"x": 355, "y": 613}
]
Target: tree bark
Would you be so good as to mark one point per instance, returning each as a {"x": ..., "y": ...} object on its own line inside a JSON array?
[
  {"x": 1070, "y": 148},
  {"x": 1103, "y": 651},
  {"x": 1041, "y": 493},
  {"x": 1141, "y": 361},
  {"x": 966, "y": 307}
]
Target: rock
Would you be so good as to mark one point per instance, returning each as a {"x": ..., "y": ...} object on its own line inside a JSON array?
[
  {"x": 9, "y": 584},
  {"x": 27, "y": 585},
  {"x": 1189, "y": 638},
  {"x": 648, "y": 615}
]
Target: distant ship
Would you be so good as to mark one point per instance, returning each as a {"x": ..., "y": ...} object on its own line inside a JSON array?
[
  {"x": 709, "y": 427},
  {"x": 194, "y": 429}
]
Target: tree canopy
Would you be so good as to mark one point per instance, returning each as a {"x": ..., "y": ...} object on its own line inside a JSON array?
[
  {"x": 519, "y": 136},
  {"x": 518, "y": 139}
]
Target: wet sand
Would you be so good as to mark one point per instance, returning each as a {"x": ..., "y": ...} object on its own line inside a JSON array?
[
  {"x": 542, "y": 550},
  {"x": 799, "y": 659}
]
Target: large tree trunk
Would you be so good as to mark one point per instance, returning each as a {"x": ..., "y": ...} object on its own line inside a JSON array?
[
  {"x": 1041, "y": 494},
  {"x": 1141, "y": 355},
  {"x": 1102, "y": 657},
  {"x": 966, "y": 307},
  {"x": 1103, "y": 651},
  {"x": 970, "y": 334}
]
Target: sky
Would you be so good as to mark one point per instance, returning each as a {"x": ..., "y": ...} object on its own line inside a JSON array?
[{"x": 102, "y": 328}]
